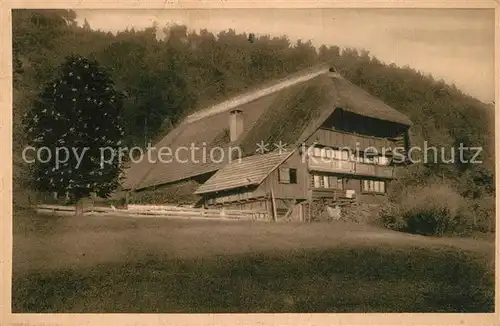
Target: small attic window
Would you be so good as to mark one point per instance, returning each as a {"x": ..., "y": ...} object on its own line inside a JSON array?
[{"x": 287, "y": 175}]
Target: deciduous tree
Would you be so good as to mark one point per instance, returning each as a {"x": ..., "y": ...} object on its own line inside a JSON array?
[{"x": 76, "y": 120}]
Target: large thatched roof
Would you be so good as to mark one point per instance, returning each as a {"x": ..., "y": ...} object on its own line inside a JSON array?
[{"x": 288, "y": 110}]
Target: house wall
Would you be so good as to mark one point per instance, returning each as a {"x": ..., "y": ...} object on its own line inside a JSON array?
[
  {"x": 286, "y": 190},
  {"x": 346, "y": 130},
  {"x": 255, "y": 205},
  {"x": 181, "y": 192},
  {"x": 354, "y": 183},
  {"x": 340, "y": 130},
  {"x": 349, "y": 183},
  {"x": 353, "y": 123},
  {"x": 233, "y": 197},
  {"x": 300, "y": 191},
  {"x": 335, "y": 138}
]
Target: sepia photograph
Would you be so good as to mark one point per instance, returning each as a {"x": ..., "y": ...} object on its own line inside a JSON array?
[{"x": 253, "y": 160}]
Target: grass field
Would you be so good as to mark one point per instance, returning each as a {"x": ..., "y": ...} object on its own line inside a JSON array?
[{"x": 111, "y": 264}]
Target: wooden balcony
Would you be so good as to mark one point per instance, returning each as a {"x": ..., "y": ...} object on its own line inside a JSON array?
[
  {"x": 332, "y": 197},
  {"x": 318, "y": 193},
  {"x": 330, "y": 165},
  {"x": 337, "y": 138},
  {"x": 349, "y": 167}
]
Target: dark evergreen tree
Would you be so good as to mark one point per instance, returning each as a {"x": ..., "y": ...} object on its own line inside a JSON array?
[{"x": 78, "y": 112}]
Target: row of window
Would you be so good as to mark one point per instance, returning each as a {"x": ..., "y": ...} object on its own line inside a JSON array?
[
  {"x": 326, "y": 181},
  {"x": 333, "y": 182},
  {"x": 348, "y": 156},
  {"x": 375, "y": 186},
  {"x": 289, "y": 176}
]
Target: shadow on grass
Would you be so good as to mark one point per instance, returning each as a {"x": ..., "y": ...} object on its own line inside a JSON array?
[{"x": 380, "y": 279}]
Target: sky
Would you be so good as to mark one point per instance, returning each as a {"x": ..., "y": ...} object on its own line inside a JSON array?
[{"x": 456, "y": 45}]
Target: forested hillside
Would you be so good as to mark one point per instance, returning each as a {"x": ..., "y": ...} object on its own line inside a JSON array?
[{"x": 164, "y": 79}]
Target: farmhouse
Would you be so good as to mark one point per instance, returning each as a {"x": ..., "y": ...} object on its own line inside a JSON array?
[{"x": 313, "y": 136}]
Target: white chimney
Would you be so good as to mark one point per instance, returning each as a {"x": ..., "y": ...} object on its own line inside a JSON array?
[{"x": 235, "y": 124}]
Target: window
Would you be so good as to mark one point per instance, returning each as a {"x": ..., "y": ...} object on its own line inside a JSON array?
[
  {"x": 317, "y": 183},
  {"x": 329, "y": 153},
  {"x": 382, "y": 187},
  {"x": 326, "y": 181},
  {"x": 284, "y": 175},
  {"x": 375, "y": 186},
  {"x": 326, "y": 184},
  {"x": 336, "y": 183},
  {"x": 287, "y": 175},
  {"x": 293, "y": 176}
]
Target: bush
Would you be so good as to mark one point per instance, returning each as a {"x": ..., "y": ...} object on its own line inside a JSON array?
[
  {"x": 485, "y": 218},
  {"x": 390, "y": 217},
  {"x": 477, "y": 215},
  {"x": 365, "y": 213},
  {"x": 430, "y": 210},
  {"x": 319, "y": 211}
]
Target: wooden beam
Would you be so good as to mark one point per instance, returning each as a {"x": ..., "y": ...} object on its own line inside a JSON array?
[
  {"x": 288, "y": 213},
  {"x": 275, "y": 214},
  {"x": 310, "y": 199}
]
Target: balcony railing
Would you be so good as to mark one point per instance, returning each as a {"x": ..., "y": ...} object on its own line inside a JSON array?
[
  {"x": 348, "y": 167},
  {"x": 327, "y": 193},
  {"x": 330, "y": 165}
]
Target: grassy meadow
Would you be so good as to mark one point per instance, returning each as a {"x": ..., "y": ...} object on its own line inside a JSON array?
[{"x": 118, "y": 264}]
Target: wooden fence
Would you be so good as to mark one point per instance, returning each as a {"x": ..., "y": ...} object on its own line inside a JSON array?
[{"x": 159, "y": 211}]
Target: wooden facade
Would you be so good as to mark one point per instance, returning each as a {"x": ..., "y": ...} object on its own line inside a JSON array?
[{"x": 333, "y": 165}]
